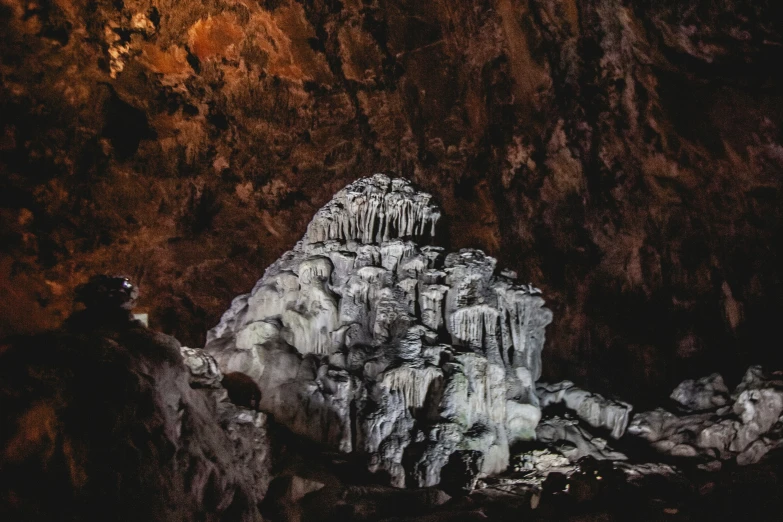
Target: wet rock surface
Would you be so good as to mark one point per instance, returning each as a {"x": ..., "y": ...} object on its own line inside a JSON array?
[{"x": 624, "y": 155}]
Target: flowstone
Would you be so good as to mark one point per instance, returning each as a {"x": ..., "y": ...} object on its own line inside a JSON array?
[{"x": 366, "y": 340}]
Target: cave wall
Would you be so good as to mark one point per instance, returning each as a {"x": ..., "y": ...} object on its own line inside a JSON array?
[{"x": 624, "y": 156}]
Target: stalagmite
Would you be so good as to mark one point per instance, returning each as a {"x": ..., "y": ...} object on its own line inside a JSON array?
[
  {"x": 362, "y": 339},
  {"x": 374, "y": 210}
]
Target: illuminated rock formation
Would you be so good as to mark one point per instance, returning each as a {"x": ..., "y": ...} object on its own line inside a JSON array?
[
  {"x": 595, "y": 410},
  {"x": 374, "y": 210},
  {"x": 366, "y": 341},
  {"x": 575, "y": 442},
  {"x": 707, "y": 393},
  {"x": 746, "y": 428}
]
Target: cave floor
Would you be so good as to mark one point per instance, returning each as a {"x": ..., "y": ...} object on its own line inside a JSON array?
[
  {"x": 743, "y": 493},
  {"x": 735, "y": 493}
]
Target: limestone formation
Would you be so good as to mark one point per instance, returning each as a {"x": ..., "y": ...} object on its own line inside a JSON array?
[
  {"x": 594, "y": 409},
  {"x": 204, "y": 371},
  {"x": 573, "y": 441},
  {"x": 707, "y": 393},
  {"x": 245, "y": 428},
  {"x": 745, "y": 430},
  {"x": 543, "y": 462},
  {"x": 367, "y": 340}
]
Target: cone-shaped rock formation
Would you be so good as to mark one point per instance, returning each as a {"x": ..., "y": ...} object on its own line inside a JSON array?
[{"x": 366, "y": 340}]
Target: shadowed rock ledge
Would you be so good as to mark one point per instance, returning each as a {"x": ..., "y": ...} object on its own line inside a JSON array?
[{"x": 99, "y": 422}]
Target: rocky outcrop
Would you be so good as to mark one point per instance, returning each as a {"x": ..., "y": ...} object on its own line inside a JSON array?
[
  {"x": 573, "y": 441},
  {"x": 592, "y": 408},
  {"x": 204, "y": 370},
  {"x": 366, "y": 340},
  {"x": 245, "y": 428},
  {"x": 704, "y": 394},
  {"x": 745, "y": 429},
  {"x": 103, "y": 421}
]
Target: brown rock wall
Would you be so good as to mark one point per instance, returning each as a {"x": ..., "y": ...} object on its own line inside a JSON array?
[{"x": 624, "y": 156}]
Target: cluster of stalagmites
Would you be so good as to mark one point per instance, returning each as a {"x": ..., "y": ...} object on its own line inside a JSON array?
[
  {"x": 367, "y": 342},
  {"x": 364, "y": 340},
  {"x": 374, "y": 210}
]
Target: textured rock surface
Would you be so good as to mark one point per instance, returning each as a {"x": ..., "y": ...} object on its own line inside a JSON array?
[
  {"x": 594, "y": 409},
  {"x": 101, "y": 423},
  {"x": 746, "y": 430},
  {"x": 574, "y": 441},
  {"x": 365, "y": 341},
  {"x": 624, "y": 155},
  {"x": 204, "y": 370},
  {"x": 245, "y": 429},
  {"x": 707, "y": 393}
]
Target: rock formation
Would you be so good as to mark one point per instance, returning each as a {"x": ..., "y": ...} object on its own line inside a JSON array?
[
  {"x": 746, "y": 428},
  {"x": 594, "y": 409},
  {"x": 573, "y": 441},
  {"x": 367, "y": 340},
  {"x": 102, "y": 421},
  {"x": 705, "y": 394}
]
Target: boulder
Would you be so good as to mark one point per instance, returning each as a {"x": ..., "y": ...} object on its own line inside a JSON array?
[{"x": 705, "y": 394}]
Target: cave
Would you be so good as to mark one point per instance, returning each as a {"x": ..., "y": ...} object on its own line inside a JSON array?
[{"x": 391, "y": 260}]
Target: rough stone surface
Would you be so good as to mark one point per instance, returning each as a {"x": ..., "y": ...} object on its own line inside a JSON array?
[
  {"x": 707, "y": 393},
  {"x": 204, "y": 370},
  {"x": 746, "y": 430},
  {"x": 105, "y": 422},
  {"x": 543, "y": 462},
  {"x": 365, "y": 341},
  {"x": 626, "y": 156},
  {"x": 594, "y": 409},
  {"x": 574, "y": 441}
]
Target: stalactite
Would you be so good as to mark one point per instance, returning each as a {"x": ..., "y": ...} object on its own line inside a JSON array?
[
  {"x": 472, "y": 323},
  {"x": 431, "y": 305},
  {"x": 412, "y": 383}
]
